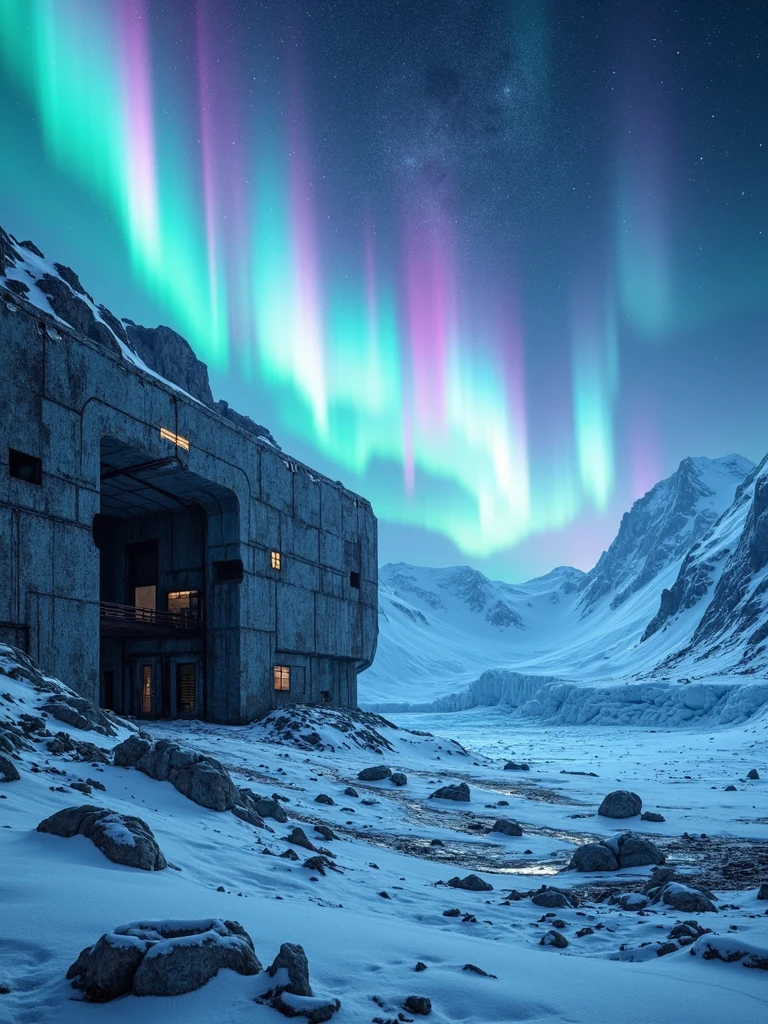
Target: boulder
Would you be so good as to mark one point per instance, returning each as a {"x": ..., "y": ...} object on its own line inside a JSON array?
[
  {"x": 629, "y": 900},
  {"x": 161, "y": 958},
  {"x": 507, "y": 827},
  {"x": 620, "y": 804},
  {"x": 512, "y": 766},
  {"x": 472, "y": 882},
  {"x": 456, "y": 791},
  {"x": 399, "y": 779},
  {"x": 418, "y": 1005},
  {"x": 651, "y": 816},
  {"x": 350, "y": 791},
  {"x": 8, "y": 770},
  {"x": 374, "y": 774},
  {"x": 122, "y": 838},
  {"x": 554, "y": 938},
  {"x": 762, "y": 892},
  {"x": 248, "y": 815},
  {"x": 106, "y": 970},
  {"x": 325, "y": 832},
  {"x": 753, "y": 773},
  {"x": 200, "y": 778},
  {"x": 298, "y": 837},
  {"x": 731, "y": 949},
  {"x": 633, "y": 851},
  {"x": 551, "y": 899},
  {"x": 293, "y": 960},
  {"x": 323, "y": 798},
  {"x": 684, "y": 898},
  {"x": 593, "y": 857}
]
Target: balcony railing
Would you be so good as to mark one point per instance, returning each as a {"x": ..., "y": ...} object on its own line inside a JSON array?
[{"x": 124, "y": 618}]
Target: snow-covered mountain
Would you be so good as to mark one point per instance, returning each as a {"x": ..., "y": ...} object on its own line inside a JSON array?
[{"x": 681, "y": 592}]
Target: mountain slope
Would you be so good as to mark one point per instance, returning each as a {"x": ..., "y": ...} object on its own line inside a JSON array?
[{"x": 453, "y": 636}]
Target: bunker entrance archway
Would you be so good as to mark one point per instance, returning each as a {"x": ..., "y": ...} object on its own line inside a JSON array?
[{"x": 159, "y": 531}]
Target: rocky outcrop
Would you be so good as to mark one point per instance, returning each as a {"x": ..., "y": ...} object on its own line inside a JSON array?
[
  {"x": 506, "y": 827},
  {"x": 662, "y": 526},
  {"x": 8, "y": 770},
  {"x": 201, "y": 778},
  {"x": 170, "y": 355},
  {"x": 161, "y": 958},
  {"x": 471, "y": 882},
  {"x": 374, "y": 774},
  {"x": 79, "y": 713},
  {"x": 122, "y": 838}
]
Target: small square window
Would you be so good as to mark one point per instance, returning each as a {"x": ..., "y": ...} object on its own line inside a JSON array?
[
  {"x": 282, "y": 674},
  {"x": 354, "y": 580},
  {"x": 25, "y": 467},
  {"x": 275, "y": 559},
  {"x": 325, "y": 696}
]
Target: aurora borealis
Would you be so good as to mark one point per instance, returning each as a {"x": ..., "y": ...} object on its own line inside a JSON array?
[{"x": 497, "y": 265}]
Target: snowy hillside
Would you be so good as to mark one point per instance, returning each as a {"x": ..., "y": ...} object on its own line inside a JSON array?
[
  {"x": 567, "y": 644},
  {"x": 157, "y": 877}
]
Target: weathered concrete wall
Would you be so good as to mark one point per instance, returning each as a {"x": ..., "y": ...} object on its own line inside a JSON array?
[{"x": 60, "y": 395}]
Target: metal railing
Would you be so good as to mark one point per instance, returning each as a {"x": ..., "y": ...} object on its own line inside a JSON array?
[{"x": 130, "y": 616}]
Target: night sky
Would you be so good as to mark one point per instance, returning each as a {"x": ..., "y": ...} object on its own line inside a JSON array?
[{"x": 497, "y": 265}]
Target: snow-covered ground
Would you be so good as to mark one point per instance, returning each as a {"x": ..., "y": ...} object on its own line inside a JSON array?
[{"x": 59, "y": 895}]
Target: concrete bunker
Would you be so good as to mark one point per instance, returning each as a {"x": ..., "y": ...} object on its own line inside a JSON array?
[{"x": 166, "y": 594}]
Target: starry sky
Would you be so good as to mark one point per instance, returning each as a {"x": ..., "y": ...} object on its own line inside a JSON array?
[{"x": 498, "y": 265}]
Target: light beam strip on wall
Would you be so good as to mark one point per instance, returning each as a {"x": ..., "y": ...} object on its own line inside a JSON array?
[{"x": 177, "y": 439}]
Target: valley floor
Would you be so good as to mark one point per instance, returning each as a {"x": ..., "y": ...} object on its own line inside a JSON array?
[{"x": 365, "y": 925}]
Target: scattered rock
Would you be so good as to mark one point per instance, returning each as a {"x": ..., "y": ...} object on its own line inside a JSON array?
[
  {"x": 762, "y": 892},
  {"x": 512, "y": 766},
  {"x": 593, "y": 857},
  {"x": 325, "y": 832},
  {"x": 374, "y": 774},
  {"x": 753, "y": 773},
  {"x": 727, "y": 949},
  {"x": 418, "y": 1005},
  {"x": 551, "y": 899},
  {"x": 667, "y": 947},
  {"x": 79, "y": 713},
  {"x": 683, "y": 898},
  {"x": 323, "y": 798},
  {"x": 420, "y": 966},
  {"x": 8, "y": 770},
  {"x": 350, "y": 791},
  {"x": 123, "y": 839},
  {"x": 629, "y": 900},
  {"x": 289, "y": 854},
  {"x": 293, "y": 960},
  {"x": 584, "y": 931},
  {"x": 453, "y": 912},
  {"x": 456, "y": 791},
  {"x": 554, "y": 938},
  {"x": 78, "y": 750},
  {"x": 652, "y": 816},
  {"x": 399, "y": 778},
  {"x": 730, "y": 789},
  {"x": 620, "y": 804},
  {"x": 507, "y": 827},
  {"x": 161, "y": 958},
  {"x": 472, "y": 882},
  {"x": 299, "y": 838},
  {"x": 633, "y": 851},
  {"x": 473, "y": 969}
]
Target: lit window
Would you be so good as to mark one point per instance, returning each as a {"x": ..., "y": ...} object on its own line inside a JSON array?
[
  {"x": 282, "y": 677},
  {"x": 184, "y": 603},
  {"x": 275, "y": 559},
  {"x": 177, "y": 439},
  {"x": 146, "y": 689}
]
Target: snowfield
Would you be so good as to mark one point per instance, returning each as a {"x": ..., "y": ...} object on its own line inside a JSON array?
[{"x": 379, "y": 907}]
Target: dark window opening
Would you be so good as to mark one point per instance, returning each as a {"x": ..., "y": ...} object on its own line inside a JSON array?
[
  {"x": 325, "y": 696},
  {"x": 354, "y": 580},
  {"x": 186, "y": 693},
  {"x": 108, "y": 700},
  {"x": 231, "y": 570},
  {"x": 142, "y": 575},
  {"x": 25, "y": 467}
]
